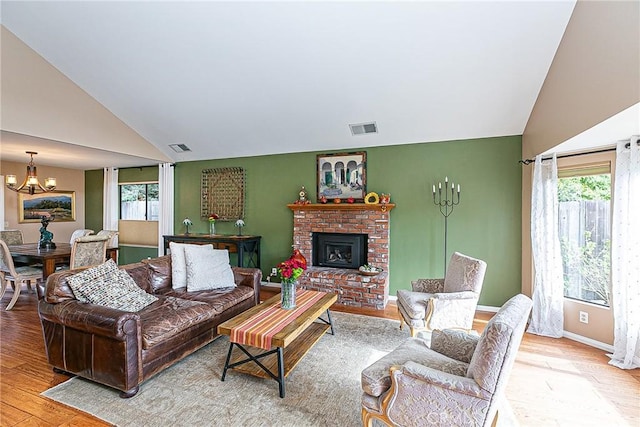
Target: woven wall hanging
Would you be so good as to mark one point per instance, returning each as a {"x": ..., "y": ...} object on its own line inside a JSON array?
[{"x": 223, "y": 193}]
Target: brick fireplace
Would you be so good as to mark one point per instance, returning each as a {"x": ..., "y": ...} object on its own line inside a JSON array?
[{"x": 352, "y": 288}]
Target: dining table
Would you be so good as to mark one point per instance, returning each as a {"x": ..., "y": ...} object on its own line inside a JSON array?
[{"x": 31, "y": 253}]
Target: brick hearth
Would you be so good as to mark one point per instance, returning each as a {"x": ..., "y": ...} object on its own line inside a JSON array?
[{"x": 352, "y": 288}]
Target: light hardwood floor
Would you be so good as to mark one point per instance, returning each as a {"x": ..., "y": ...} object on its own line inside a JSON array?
[{"x": 554, "y": 382}]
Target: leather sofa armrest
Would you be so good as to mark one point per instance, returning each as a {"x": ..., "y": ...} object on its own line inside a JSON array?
[
  {"x": 91, "y": 318},
  {"x": 250, "y": 277}
]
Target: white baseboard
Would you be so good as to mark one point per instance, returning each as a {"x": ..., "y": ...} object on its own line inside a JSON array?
[{"x": 588, "y": 341}]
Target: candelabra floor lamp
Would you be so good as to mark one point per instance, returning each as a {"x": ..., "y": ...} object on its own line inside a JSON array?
[{"x": 446, "y": 202}]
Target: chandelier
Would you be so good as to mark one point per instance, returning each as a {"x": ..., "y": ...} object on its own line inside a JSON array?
[{"x": 31, "y": 185}]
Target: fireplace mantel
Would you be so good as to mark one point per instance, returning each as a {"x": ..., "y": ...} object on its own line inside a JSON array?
[{"x": 342, "y": 207}]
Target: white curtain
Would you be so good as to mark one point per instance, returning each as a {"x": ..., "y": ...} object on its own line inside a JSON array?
[
  {"x": 548, "y": 294},
  {"x": 2, "y": 198},
  {"x": 625, "y": 257},
  {"x": 110, "y": 202},
  {"x": 165, "y": 193}
]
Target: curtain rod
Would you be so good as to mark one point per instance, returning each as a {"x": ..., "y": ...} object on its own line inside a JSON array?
[{"x": 529, "y": 161}]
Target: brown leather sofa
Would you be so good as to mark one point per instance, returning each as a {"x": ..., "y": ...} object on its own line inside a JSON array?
[{"x": 122, "y": 349}]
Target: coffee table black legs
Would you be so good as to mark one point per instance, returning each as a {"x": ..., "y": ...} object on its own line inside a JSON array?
[
  {"x": 328, "y": 321},
  {"x": 254, "y": 358},
  {"x": 281, "y": 371}
]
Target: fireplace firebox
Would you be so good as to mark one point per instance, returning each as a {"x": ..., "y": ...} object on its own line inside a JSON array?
[{"x": 339, "y": 250}]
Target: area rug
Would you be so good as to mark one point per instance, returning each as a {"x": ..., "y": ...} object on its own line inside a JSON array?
[{"x": 323, "y": 390}]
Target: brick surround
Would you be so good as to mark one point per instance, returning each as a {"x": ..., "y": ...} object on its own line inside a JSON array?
[{"x": 352, "y": 288}]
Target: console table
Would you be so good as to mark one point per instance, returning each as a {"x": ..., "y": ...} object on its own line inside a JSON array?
[{"x": 247, "y": 247}]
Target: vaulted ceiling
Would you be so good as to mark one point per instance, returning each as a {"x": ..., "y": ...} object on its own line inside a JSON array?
[{"x": 232, "y": 79}]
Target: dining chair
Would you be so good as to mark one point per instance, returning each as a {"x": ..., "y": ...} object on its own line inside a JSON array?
[
  {"x": 16, "y": 276},
  {"x": 88, "y": 250},
  {"x": 113, "y": 237},
  {"x": 12, "y": 237},
  {"x": 81, "y": 232}
]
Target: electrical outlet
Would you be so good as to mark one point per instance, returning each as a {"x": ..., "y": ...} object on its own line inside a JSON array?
[
  {"x": 274, "y": 271},
  {"x": 584, "y": 317}
]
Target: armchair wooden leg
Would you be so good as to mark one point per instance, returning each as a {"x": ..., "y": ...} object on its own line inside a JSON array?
[{"x": 401, "y": 319}]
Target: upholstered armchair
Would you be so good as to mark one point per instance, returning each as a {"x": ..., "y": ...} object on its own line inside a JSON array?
[
  {"x": 459, "y": 380},
  {"x": 447, "y": 303}
]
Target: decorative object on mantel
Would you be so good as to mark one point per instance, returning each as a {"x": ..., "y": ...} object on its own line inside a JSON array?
[
  {"x": 369, "y": 270},
  {"x": 239, "y": 224},
  {"x": 31, "y": 184},
  {"x": 322, "y": 200},
  {"x": 446, "y": 205},
  {"x": 212, "y": 223},
  {"x": 222, "y": 192},
  {"x": 341, "y": 176},
  {"x": 303, "y": 198},
  {"x": 342, "y": 206},
  {"x": 337, "y": 200},
  {"x": 385, "y": 198},
  {"x": 46, "y": 236},
  {"x": 187, "y": 223},
  {"x": 372, "y": 198},
  {"x": 289, "y": 272},
  {"x": 351, "y": 200}
]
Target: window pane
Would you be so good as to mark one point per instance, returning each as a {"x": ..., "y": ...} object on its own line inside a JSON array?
[
  {"x": 585, "y": 236},
  {"x": 133, "y": 201}
]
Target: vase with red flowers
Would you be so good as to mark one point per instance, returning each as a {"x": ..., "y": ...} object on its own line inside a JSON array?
[{"x": 289, "y": 272}]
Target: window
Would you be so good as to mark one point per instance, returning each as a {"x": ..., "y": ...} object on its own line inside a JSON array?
[
  {"x": 584, "y": 196},
  {"x": 139, "y": 201}
]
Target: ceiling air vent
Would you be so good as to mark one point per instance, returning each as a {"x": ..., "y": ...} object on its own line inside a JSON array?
[
  {"x": 364, "y": 128},
  {"x": 179, "y": 148}
]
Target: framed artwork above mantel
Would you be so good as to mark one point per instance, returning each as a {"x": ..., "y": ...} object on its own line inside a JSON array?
[{"x": 342, "y": 176}]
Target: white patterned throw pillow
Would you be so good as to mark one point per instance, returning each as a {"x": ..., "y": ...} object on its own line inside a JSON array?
[
  {"x": 110, "y": 287},
  {"x": 207, "y": 268}
]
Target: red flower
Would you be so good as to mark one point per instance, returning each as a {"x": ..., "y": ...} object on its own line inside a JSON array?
[{"x": 213, "y": 217}]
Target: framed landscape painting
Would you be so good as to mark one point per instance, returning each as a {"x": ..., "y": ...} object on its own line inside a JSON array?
[
  {"x": 342, "y": 176},
  {"x": 61, "y": 205}
]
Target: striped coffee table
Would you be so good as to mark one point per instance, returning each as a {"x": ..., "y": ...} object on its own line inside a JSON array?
[{"x": 271, "y": 340}]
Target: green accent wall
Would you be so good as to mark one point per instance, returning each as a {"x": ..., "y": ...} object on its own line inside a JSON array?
[
  {"x": 94, "y": 181},
  {"x": 486, "y": 224}
]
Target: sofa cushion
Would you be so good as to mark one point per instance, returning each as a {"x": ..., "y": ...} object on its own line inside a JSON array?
[
  {"x": 178, "y": 265},
  {"x": 115, "y": 290},
  {"x": 220, "y": 299},
  {"x": 169, "y": 316},
  {"x": 458, "y": 345},
  {"x": 376, "y": 378},
  {"x": 207, "y": 268}
]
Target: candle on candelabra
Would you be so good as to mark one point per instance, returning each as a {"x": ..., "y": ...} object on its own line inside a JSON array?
[{"x": 446, "y": 205}]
